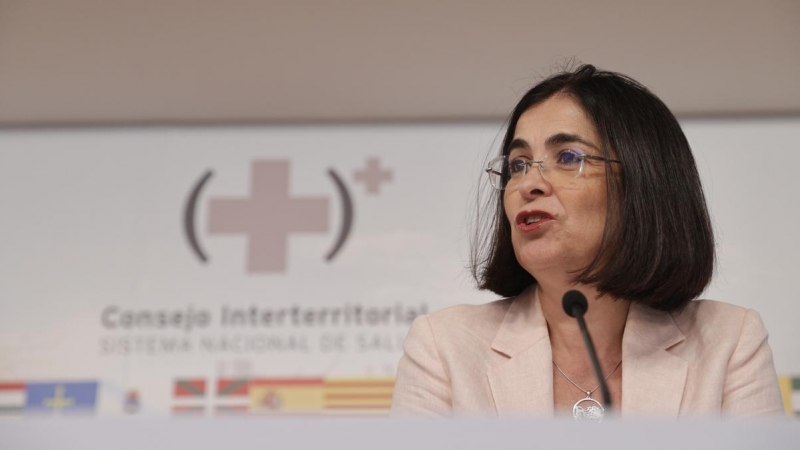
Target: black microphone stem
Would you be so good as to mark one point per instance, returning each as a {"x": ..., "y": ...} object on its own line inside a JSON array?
[{"x": 587, "y": 340}]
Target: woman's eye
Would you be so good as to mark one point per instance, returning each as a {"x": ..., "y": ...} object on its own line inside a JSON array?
[
  {"x": 568, "y": 157},
  {"x": 517, "y": 165}
]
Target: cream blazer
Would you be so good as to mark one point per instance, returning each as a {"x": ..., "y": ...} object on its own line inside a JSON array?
[{"x": 711, "y": 359}]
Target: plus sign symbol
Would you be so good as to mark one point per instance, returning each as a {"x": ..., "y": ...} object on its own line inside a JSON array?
[
  {"x": 372, "y": 176},
  {"x": 267, "y": 216}
]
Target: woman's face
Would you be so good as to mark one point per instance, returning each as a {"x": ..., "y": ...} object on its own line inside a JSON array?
[{"x": 556, "y": 222}]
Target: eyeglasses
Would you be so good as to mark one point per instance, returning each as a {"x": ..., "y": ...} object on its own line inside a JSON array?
[{"x": 558, "y": 166}]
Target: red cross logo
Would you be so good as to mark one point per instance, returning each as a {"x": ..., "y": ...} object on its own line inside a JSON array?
[{"x": 268, "y": 216}]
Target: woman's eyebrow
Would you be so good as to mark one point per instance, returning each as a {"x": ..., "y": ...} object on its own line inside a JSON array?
[
  {"x": 567, "y": 138},
  {"x": 518, "y": 144}
]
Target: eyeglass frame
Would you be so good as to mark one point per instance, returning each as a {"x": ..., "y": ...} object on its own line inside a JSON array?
[{"x": 542, "y": 168}]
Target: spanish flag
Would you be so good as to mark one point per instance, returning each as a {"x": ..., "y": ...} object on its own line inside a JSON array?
[{"x": 286, "y": 395}]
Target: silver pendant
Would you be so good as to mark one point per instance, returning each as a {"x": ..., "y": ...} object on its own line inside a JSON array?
[{"x": 594, "y": 411}]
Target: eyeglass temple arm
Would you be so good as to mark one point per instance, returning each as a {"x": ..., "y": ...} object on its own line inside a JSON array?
[{"x": 601, "y": 158}]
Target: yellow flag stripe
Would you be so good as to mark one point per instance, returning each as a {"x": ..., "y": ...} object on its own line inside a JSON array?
[
  {"x": 357, "y": 407},
  {"x": 359, "y": 382},
  {"x": 377, "y": 413},
  {"x": 358, "y": 392},
  {"x": 785, "y": 382},
  {"x": 351, "y": 396},
  {"x": 360, "y": 402}
]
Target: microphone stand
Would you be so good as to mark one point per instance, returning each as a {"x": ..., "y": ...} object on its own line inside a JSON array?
[
  {"x": 587, "y": 341},
  {"x": 575, "y": 305}
]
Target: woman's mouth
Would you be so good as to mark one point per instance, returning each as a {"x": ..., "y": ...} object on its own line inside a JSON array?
[{"x": 528, "y": 221}]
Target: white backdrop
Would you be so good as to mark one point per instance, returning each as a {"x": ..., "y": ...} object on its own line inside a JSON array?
[{"x": 94, "y": 232}]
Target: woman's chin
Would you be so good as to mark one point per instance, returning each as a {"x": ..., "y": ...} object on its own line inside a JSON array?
[
  {"x": 540, "y": 262},
  {"x": 550, "y": 262}
]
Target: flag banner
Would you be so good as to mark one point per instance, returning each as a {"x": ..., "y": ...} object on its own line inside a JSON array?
[
  {"x": 189, "y": 396},
  {"x": 305, "y": 396},
  {"x": 790, "y": 392},
  {"x": 193, "y": 388},
  {"x": 362, "y": 395},
  {"x": 12, "y": 398},
  {"x": 188, "y": 411},
  {"x": 231, "y": 410},
  {"x": 60, "y": 398},
  {"x": 280, "y": 396},
  {"x": 232, "y": 388}
]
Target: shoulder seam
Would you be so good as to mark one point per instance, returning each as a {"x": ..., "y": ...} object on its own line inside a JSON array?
[
  {"x": 436, "y": 346},
  {"x": 739, "y": 337}
]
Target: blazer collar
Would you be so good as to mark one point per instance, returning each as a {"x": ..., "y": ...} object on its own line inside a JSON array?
[
  {"x": 652, "y": 378},
  {"x": 524, "y": 383},
  {"x": 522, "y": 326}
]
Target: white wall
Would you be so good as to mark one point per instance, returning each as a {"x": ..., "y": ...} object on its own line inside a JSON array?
[{"x": 93, "y": 218}]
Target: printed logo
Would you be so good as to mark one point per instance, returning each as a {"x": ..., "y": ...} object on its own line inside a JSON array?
[{"x": 270, "y": 213}]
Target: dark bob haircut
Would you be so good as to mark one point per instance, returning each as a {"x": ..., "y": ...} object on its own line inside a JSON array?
[{"x": 658, "y": 245}]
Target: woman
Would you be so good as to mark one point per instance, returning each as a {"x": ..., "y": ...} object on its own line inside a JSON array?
[{"x": 597, "y": 190}]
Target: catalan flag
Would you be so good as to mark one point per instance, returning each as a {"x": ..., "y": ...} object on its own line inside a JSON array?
[
  {"x": 358, "y": 395},
  {"x": 790, "y": 391}
]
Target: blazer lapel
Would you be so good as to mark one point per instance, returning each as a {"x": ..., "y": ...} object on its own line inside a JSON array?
[
  {"x": 653, "y": 379},
  {"x": 523, "y": 384}
]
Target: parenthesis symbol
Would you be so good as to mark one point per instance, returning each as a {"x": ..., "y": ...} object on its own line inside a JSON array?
[
  {"x": 189, "y": 216},
  {"x": 347, "y": 213}
]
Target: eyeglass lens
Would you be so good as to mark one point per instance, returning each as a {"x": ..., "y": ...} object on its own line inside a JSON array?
[{"x": 556, "y": 166}]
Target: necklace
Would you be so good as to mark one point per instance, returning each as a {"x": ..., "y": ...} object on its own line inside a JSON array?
[{"x": 595, "y": 410}]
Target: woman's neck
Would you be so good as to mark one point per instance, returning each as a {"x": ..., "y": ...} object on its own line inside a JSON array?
[{"x": 605, "y": 320}]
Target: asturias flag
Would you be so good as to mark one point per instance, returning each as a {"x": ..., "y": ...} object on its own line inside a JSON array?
[{"x": 60, "y": 398}]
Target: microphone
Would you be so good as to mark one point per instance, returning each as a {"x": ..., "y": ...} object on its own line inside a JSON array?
[{"x": 575, "y": 305}]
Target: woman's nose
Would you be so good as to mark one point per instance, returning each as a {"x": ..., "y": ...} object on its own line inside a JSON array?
[{"x": 533, "y": 183}]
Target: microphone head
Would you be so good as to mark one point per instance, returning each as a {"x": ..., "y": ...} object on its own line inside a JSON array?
[{"x": 575, "y": 304}]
